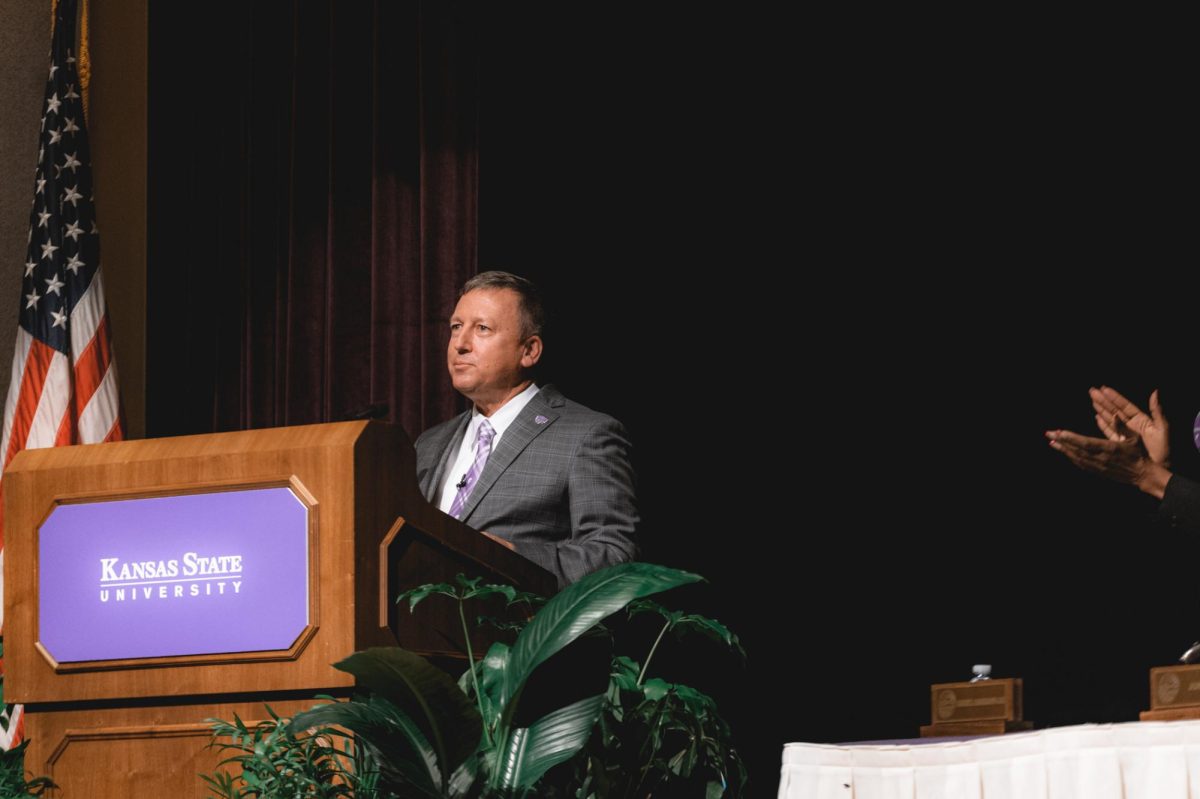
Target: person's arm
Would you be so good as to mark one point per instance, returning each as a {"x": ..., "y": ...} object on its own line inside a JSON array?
[
  {"x": 1136, "y": 452},
  {"x": 603, "y": 505},
  {"x": 1180, "y": 506}
]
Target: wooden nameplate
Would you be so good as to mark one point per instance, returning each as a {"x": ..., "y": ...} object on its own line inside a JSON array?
[
  {"x": 985, "y": 707},
  {"x": 1174, "y": 693}
]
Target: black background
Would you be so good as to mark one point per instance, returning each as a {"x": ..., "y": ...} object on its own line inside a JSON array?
[
  {"x": 837, "y": 272},
  {"x": 837, "y": 276}
]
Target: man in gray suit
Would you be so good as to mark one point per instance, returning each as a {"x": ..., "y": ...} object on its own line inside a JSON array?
[{"x": 542, "y": 475}]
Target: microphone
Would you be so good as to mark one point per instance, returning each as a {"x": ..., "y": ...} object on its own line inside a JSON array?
[
  {"x": 376, "y": 410},
  {"x": 461, "y": 484}
]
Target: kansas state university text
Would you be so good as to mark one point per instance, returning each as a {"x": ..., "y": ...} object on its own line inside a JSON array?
[{"x": 192, "y": 575}]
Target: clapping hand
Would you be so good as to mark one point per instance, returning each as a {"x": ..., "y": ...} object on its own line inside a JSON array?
[
  {"x": 1113, "y": 411},
  {"x": 1135, "y": 447}
]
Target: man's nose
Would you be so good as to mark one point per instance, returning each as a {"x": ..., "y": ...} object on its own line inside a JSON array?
[{"x": 461, "y": 341}]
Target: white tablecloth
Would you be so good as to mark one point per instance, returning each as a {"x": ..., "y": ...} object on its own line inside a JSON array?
[{"x": 1139, "y": 760}]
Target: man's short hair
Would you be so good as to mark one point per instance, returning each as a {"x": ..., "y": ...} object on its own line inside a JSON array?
[{"x": 533, "y": 316}]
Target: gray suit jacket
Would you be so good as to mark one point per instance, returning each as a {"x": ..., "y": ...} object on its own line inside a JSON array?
[{"x": 559, "y": 485}]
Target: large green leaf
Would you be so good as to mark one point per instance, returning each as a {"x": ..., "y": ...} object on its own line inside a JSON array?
[
  {"x": 401, "y": 751},
  {"x": 575, "y": 609},
  {"x": 442, "y": 712},
  {"x": 529, "y": 752},
  {"x": 490, "y": 673},
  {"x": 466, "y": 782}
]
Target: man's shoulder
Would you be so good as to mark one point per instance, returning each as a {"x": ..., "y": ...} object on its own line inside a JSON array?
[{"x": 575, "y": 413}]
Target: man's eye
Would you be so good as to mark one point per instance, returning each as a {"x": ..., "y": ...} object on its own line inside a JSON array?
[
  {"x": 484, "y": 328},
  {"x": 455, "y": 325}
]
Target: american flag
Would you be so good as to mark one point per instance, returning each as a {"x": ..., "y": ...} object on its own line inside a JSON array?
[{"x": 64, "y": 381}]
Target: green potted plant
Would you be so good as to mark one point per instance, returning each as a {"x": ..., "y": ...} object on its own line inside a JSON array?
[{"x": 422, "y": 734}]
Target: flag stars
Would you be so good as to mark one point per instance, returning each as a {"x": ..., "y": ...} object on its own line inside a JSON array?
[
  {"x": 43, "y": 218},
  {"x": 60, "y": 319},
  {"x": 74, "y": 231},
  {"x": 71, "y": 94},
  {"x": 29, "y": 267},
  {"x": 52, "y": 104},
  {"x": 75, "y": 264},
  {"x": 71, "y": 163},
  {"x": 48, "y": 250},
  {"x": 71, "y": 196},
  {"x": 54, "y": 285},
  {"x": 41, "y": 183},
  {"x": 53, "y": 69},
  {"x": 31, "y": 299},
  {"x": 70, "y": 126},
  {"x": 55, "y": 136}
]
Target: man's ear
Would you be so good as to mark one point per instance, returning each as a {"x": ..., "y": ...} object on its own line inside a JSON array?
[{"x": 532, "y": 353}]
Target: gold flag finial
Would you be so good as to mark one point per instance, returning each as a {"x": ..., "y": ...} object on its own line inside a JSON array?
[{"x": 84, "y": 62}]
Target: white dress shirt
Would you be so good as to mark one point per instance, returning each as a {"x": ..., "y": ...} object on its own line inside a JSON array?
[{"x": 500, "y": 420}]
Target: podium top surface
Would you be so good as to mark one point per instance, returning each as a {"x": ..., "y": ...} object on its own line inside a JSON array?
[{"x": 273, "y": 439}]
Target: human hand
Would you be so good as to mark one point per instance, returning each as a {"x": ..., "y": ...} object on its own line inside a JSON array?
[
  {"x": 1114, "y": 411},
  {"x": 1123, "y": 458}
]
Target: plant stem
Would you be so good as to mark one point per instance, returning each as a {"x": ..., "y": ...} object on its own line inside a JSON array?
[
  {"x": 462, "y": 616},
  {"x": 653, "y": 738},
  {"x": 646, "y": 665}
]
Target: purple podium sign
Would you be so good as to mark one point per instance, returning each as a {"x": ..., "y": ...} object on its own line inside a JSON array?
[{"x": 194, "y": 574}]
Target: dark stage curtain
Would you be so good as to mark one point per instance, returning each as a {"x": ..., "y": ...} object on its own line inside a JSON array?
[{"x": 313, "y": 193}]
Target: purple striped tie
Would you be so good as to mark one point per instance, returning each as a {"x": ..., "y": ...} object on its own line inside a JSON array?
[{"x": 483, "y": 448}]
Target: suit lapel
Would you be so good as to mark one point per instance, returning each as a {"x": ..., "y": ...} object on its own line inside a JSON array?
[
  {"x": 449, "y": 449},
  {"x": 516, "y": 438}
]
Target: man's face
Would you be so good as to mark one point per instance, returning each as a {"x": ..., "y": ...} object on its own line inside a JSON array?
[{"x": 487, "y": 357}]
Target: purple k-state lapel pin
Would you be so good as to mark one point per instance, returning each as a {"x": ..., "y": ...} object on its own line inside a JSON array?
[{"x": 539, "y": 419}]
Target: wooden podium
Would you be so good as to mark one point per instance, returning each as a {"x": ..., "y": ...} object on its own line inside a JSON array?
[{"x": 118, "y": 725}]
